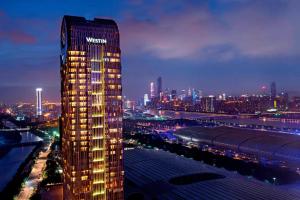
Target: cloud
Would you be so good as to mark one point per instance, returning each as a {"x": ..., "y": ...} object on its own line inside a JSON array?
[
  {"x": 249, "y": 28},
  {"x": 11, "y": 31}
]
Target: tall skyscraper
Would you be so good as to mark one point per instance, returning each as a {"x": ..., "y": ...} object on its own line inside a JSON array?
[
  {"x": 152, "y": 90},
  {"x": 38, "y": 92},
  {"x": 273, "y": 90},
  {"x": 159, "y": 86},
  {"x": 146, "y": 99},
  {"x": 263, "y": 90},
  {"x": 273, "y": 95},
  {"x": 173, "y": 94},
  {"x": 208, "y": 103},
  {"x": 189, "y": 92},
  {"x": 91, "y": 97}
]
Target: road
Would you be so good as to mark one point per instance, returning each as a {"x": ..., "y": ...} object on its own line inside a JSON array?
[{"x": 35, "y": 176}]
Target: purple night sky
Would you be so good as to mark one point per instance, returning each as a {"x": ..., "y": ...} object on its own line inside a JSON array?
[{"x": 232, "y": 46}]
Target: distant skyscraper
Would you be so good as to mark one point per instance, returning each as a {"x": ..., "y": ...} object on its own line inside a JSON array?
[
  {"x": 91, "y": 98},
  {"x": 224, "y": 96},
  {"x": 38, "y": 101},
  {"x": 284, "y": 101},
  {"x": 182, "y": 94},
  {"x": 159, "y": 86},
  {"x": 273, "y": 90},
  {"x": 200, "y": 93},
  {"x": 273, "y": 95},
  {"x": 152, "y": 94},
  {"x": 208, "y": 103},
  {"x": 146, "y": 99},
  {"x": 212, "y": 103},
  {"x": 189, "y": 92},
  {"x": 173, "y": 94}
]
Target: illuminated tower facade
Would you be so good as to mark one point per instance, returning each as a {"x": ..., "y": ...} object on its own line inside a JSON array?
[
  {"x": 159, "y": 86},
  {"x": 38, "y": 92},
  {"x": 91, "y": 95},
  {"x": 146, "y": 99},
  {"x": 152, "y": 90},
  {"x": 273, "y": 95},
  {"x": 273, "y": 90}
]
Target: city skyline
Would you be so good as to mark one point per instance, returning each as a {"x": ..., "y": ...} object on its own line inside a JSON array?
[
  {"x": 265, "y": 90},
  {"x": 223, "y": 45}
]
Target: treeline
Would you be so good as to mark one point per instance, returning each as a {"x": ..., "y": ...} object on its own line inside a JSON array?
[
  {"x": 245, "y": 168},
  {"x": 51, "y": 174},
  {"x": 20, "y": 124}
]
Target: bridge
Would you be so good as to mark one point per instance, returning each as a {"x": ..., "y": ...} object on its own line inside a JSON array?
[{"x": 15, "y": 129}]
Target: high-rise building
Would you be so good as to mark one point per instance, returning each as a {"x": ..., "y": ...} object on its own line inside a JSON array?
[
  {"x": 189, "y": 92},
  {"x": 182, "y": 95},
  {"x": 91, "y": 98},
  {"x": 273, "y": 95},
  {"x": 38, "y": 92},
  {"x": 208, "y": 103},
  {"x": 200, "y": 92},
  {"x": 273, "y": 90},
  {"x": 159, "y": 87},
  {"x": 283, "y": 101},
  {"x": 152, "y": 90},
  {"x": 146, "y": 99},
  {"x": 173, "y": 94}
]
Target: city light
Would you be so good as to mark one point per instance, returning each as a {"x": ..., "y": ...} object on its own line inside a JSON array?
[{"x": 150, "y": 100}]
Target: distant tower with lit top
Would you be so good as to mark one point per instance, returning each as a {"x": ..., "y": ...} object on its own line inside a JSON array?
[
  {"x": 152, "y": 94},
  {"x": 273, "y": 90},
  {"x": 159, "y": 87},
  {"x": 38, "y": 92},
  {"x": 273, "y": 95}
]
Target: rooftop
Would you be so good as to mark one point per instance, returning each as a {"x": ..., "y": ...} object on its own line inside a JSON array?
[
  {"x": 277, "y": 145},
  {"x": 151, "y": 173}
]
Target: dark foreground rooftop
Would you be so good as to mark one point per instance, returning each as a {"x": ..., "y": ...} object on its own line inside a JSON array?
[
  {"x": 151, "y": 173},
  {"x": 276, "y": 145}
]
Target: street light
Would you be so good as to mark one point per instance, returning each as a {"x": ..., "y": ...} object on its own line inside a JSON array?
[{"x": 274, "y": 180}]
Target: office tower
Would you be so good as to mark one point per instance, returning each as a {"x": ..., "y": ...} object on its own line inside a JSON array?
[
  {"x": 284, "y": 101},
  {"x": 194, "y": 95},
  {"x": 189, "y": 92},
  {"x": 200, "y": 93},
  {"x": 159, "y": 87},
  {"x": 38, "y": 92},
  {"x": 224, "y": 96},
  {"x": 152, "y": 90},
  {"x": 273, "y": 90},
  {"x": 91, "y": 97},
  {"x": 208, "y": 103},
  {"x": 182, "y": 95},
  {"x": 273, "y": 95},
  {"x": 146, "y": 99},
  {"x": 212, "y": 103},
  {"x": 173, "y": 94}
]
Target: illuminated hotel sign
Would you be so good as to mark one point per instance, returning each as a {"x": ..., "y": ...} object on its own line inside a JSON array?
[{"x": 96, "y": 40}]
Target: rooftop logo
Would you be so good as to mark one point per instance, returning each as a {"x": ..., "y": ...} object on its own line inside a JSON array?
[{"x": 96, "y": 40}]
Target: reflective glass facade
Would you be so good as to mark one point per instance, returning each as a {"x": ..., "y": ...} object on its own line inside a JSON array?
[{"x": 91, "y": 95}]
